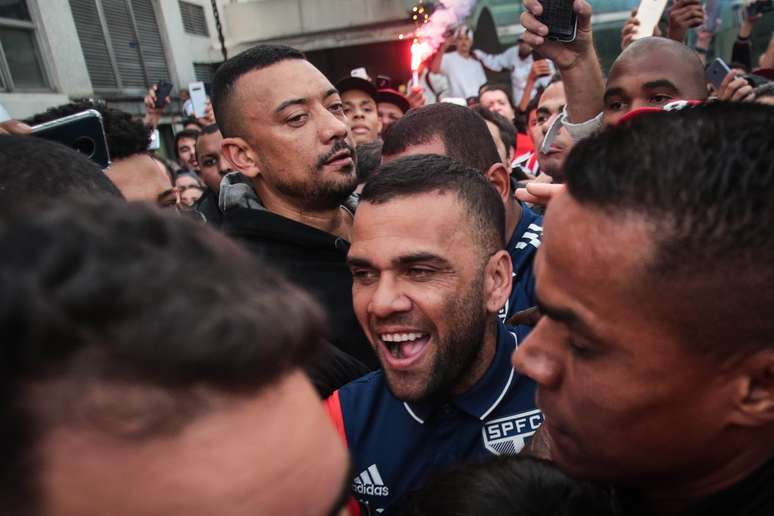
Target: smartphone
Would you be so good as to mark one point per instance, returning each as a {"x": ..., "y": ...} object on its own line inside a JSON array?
[
  {"x": 716, "y": 71},
  {"x": 82, "y": 131},
  {"x": 198, "y": 98},
  {"x": 561, "y": 20},
  {"x": 163, "y": 89},
  {"x": 648, "y": 13}
]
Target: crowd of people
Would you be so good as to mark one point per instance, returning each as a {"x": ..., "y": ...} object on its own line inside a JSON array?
[{"x": 551, "y": 297}]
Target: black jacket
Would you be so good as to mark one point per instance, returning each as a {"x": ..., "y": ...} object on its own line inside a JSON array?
[
  {"x": 207, "y": 205},
  {"x": 314, "y": 260}
]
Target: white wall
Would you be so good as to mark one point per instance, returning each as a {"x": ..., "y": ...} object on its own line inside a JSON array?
[{"x": 260, "y": 20}]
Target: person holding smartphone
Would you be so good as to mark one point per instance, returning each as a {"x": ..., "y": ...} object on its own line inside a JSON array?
[
  {"x": 650, "y": 72},
  {"x": 525, "y": 69}
]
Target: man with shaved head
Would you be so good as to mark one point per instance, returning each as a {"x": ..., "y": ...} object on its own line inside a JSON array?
[{"x": 650, "y": 72}]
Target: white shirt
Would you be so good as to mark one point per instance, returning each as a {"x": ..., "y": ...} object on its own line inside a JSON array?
[
  {"x": 519, "y": 70},
  {"x": 465, "y": 74},
  {"x": 439, "y": 89}
]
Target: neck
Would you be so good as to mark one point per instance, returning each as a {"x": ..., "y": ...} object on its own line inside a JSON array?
[
  {"x": 335, "y": 221},
  {"x": 674, "y": 498},
  {"x": 466, "y": 53},
  {"x": 512, "y": 218},
  {"x": 483, "y": 361}
]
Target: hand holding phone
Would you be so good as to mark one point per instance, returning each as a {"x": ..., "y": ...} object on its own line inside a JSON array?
[
  {"x": 560, "y": 18},
  {"x": 716, "y": 72},
  {"x": 163, "y": 90},
  {"x": 198, "y": 99},
  {"x": 82, "y": 131}
]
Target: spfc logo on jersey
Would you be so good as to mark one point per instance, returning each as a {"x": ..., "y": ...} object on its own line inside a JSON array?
[{"x": 508, "y": 435}]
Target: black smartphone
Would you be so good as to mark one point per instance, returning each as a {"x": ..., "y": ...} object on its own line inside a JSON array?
[
  {"x": 82, "y": 131},
  {"x": 163, "y": 89},
  {"x": 716, "y": 71},
  {"x": 561, "y": 20}
]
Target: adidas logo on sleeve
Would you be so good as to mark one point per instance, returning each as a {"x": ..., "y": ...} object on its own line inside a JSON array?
[{"x": 370, "y": 482}]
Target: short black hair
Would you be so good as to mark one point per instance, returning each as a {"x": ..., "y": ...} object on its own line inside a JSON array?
[
  {"x": 703, "y": 180},
  {"x": 101, "y": 295},
  {"x": 209, "y": 129},
  {"x": 34, "y": 168},
  {"x": 505, "y": 126},
  {"x": 125, "y": 134},
  {"x": 369, "y": 157},
  {"x": 463, "y": 133},
  {"x": 509, "y": 485},
  {"x": 229, "y": 72},
  {"x": 426, "y": 173},
  {"x": 497, "y": 86},
  {"x": 191, "y": 134}
]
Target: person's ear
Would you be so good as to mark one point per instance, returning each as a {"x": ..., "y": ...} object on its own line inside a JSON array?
[
  {"x": 499, "y": 176},
  {"x": 241, "y": 156},
  {"x": 498, "y": 276},
  {"x": 754, "y": 394}
]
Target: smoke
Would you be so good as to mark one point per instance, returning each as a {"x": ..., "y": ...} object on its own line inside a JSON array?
[{"x": 449, "y": 14}]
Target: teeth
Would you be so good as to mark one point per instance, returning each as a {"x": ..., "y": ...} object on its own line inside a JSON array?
[{"x": 400, "y": 337}]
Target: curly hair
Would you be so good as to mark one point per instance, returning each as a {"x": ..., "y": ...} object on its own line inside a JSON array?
[{"x": 125, "y": 134}]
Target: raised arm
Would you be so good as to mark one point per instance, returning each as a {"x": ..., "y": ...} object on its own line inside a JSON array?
[{"x": 577, "y": 61}]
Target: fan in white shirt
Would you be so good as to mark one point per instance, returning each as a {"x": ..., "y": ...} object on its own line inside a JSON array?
[
  {"x": 519, "y": 60},
  {"x": 464, "y": 72}
]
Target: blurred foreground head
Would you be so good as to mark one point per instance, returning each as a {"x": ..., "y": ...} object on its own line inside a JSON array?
[
  {"x": 132, "y": 384},
  {"x": 655, "y": 353}
]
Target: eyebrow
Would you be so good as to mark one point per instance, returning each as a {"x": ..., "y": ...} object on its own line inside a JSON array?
[
  {"x": 565, "y": 316},
  {"x": 557, "y": 314},
  {"x": 660, "y": 83},
  {"x": 296, "y": 102},
  {"x": 613, "y": 92},
  {"x": 401, "y": 261},
  {"x": 543, "y": 111},
  {"x": 411, "y": 259}
]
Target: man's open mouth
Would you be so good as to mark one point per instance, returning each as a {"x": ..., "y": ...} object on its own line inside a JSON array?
[{"x": 404, "y": 346}]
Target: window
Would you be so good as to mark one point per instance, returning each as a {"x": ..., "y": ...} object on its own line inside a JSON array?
[
  {"x": 194, "y": 21},
  {"x": 20, "y": 63},
  {"x": 121, "y": 44},
  {"x": 204, "y": 71}
]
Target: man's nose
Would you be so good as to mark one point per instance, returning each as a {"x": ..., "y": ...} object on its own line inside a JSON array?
[
  {"x": 388, "y": 298},
  {"x": 537, "y": 358}
]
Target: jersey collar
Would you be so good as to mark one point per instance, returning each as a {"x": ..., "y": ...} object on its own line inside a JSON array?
[{"x": 485, "y": 396}]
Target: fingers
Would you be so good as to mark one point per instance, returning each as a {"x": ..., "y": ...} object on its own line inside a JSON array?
[
  {"x": 583, "y": 9},
  {"x": 530, "y": 316},
  {"x": 538, "y": 193},
  {"x": 743, "y": 92},
  {"x": 735, "y": 89},
  {"x": 14, "y": 127},
  {"x": 533, "y": 6}
]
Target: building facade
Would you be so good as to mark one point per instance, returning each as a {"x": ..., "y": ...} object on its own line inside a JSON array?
[{"x": 52, "y": 51}]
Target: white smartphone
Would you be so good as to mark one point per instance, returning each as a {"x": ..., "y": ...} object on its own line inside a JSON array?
[
  {"x": 198, "y": 98},
  {"x": 648, "y": 13}
]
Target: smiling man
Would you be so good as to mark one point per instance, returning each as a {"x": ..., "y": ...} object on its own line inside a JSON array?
[
  {"x": 655, "y": 355},
  {"x": 284, "y": 129},
  {"x": 430, "y": 275}
]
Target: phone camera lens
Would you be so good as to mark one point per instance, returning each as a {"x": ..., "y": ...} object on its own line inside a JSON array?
[{"x": 85, "y": 145}]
